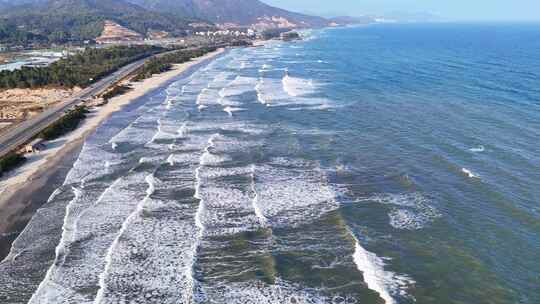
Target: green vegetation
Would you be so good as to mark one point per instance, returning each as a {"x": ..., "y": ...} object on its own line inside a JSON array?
[
  {"x": 116, "y": 91},
  {"x": 10, "y": 161},
  {"x": 165, "y": 62},
  {"x": 74, "y": 21},
  {"x": 67, "y": 123},
  {"x": 81, "y": 69},
  {"x": 153, "y": 66},
  {"x": 10, "y": 33}
]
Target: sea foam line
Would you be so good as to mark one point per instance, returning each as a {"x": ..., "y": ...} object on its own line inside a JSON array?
[
  {"x": 377, "y": 279},
  {"x": 258, "y": 87},
  {"x": 59, "y": 248},
  {"x": 60, "y": 253},
  {"x": 296, "y": 87},
  {"x": 158, "y": 131},
  {"x": 255, "y": 201},
  {"x": 169, "y": 102},
  {"x": 199, "y": 215},
  {"x": 150, "y": 180},
  {"x": 69, "y": 238},
  {"x": 11, "y": 255}
]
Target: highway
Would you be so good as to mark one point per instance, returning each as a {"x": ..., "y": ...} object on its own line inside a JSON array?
[{"x": 23, "y": 132}]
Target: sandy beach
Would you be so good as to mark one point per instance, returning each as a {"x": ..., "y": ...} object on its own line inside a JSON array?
[{"x": 20, "y": 193}]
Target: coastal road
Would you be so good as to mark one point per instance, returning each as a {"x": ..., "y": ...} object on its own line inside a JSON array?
[{"x": 22, "y": 133}]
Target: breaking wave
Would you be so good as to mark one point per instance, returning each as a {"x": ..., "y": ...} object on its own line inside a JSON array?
[{"x": 386, "y": 283}]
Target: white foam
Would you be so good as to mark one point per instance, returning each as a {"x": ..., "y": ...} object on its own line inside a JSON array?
[
  {"x": 275, "y": 93},
  {"x": 151, "y": 180},
  {"x": 133, "y": 134},
  {"x": 183, "y": 158},
  {"x": 295, "y": 86},
  {"x": 209, "y": 159},
  {"x": 199, "y": 223},
  {"x": 159, "y": 242},
  {"x": 255, "y": 200},
  {"x": 240, "y": 85},
  {"x": 227, "y": 211},
  {"x": 258, "y": 89},
  {"x": 90, "y": 226},
  {"x": 89, "y": 164},
  {"x": 469, "y": 173},
  {"x": 150, "y": 160},
  {"x": 218, "y": 172},
  {"x": 169, "y": 103},
  {"x": 170, "y": 160},
  {"x": 221, "y": 80},
  {"x": 231, "y": 110},
  {"x": 386, "y": 283},
  {"x": 182, "y": 132},
  {"x": 208, "y": 97},
  {"x": 410, "y": 211},
  {"x": 255, "y": 292},
  {"x": 103, "y": 287},
  {"x": 405, "y": 219},
  {"x": 293, "y": 195},
  {"x": 477, "y": 149}
]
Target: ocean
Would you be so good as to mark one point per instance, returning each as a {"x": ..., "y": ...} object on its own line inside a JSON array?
[{"x": 377, "y": 164}]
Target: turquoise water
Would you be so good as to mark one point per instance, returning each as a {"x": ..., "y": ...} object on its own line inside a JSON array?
[{"x": 388, "y": 163}]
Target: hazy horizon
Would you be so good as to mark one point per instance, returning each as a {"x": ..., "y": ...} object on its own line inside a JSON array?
[{"x": 458, "y": 10}]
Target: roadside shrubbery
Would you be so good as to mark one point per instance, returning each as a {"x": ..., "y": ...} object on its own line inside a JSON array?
[
  {"x": 67, "y": 123},
  {"x": 154, "y": 66},
  {"x": 116, "y": 91},
  {"x": 165, "y": 62}
]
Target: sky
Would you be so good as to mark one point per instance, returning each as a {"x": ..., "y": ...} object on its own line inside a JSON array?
[{"x": 481, "y": 10}]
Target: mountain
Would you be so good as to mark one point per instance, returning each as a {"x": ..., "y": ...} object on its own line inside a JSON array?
[
  {"x": 232, "y": 13},
  {"x": 77, "y": 20},
  {"x": 60, "y": 21}
]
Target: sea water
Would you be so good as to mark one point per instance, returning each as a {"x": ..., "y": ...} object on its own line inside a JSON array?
[{"x": 378, "y": 164}]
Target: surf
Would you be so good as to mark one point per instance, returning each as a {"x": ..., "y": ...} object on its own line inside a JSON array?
[{"x": 385, "y": 283}]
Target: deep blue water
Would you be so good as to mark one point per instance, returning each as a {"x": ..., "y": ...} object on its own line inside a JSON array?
[
  {"x": 428, "y": 102},
  {"x": 386, "y": 163}
]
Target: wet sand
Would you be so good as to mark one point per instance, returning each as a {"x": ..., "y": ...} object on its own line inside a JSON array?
[{"x": 33, "y": 195}]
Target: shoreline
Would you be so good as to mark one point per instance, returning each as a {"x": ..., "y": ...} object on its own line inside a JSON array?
[{"x": 27, "y": 188}]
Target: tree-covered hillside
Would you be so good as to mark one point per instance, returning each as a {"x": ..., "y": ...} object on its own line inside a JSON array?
[
  {"x": 61, "y": 21},
  {"x": 241, "y": 12}
]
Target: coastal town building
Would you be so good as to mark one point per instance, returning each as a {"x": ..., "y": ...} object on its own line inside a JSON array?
[{"x": 232, "y": 33}]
